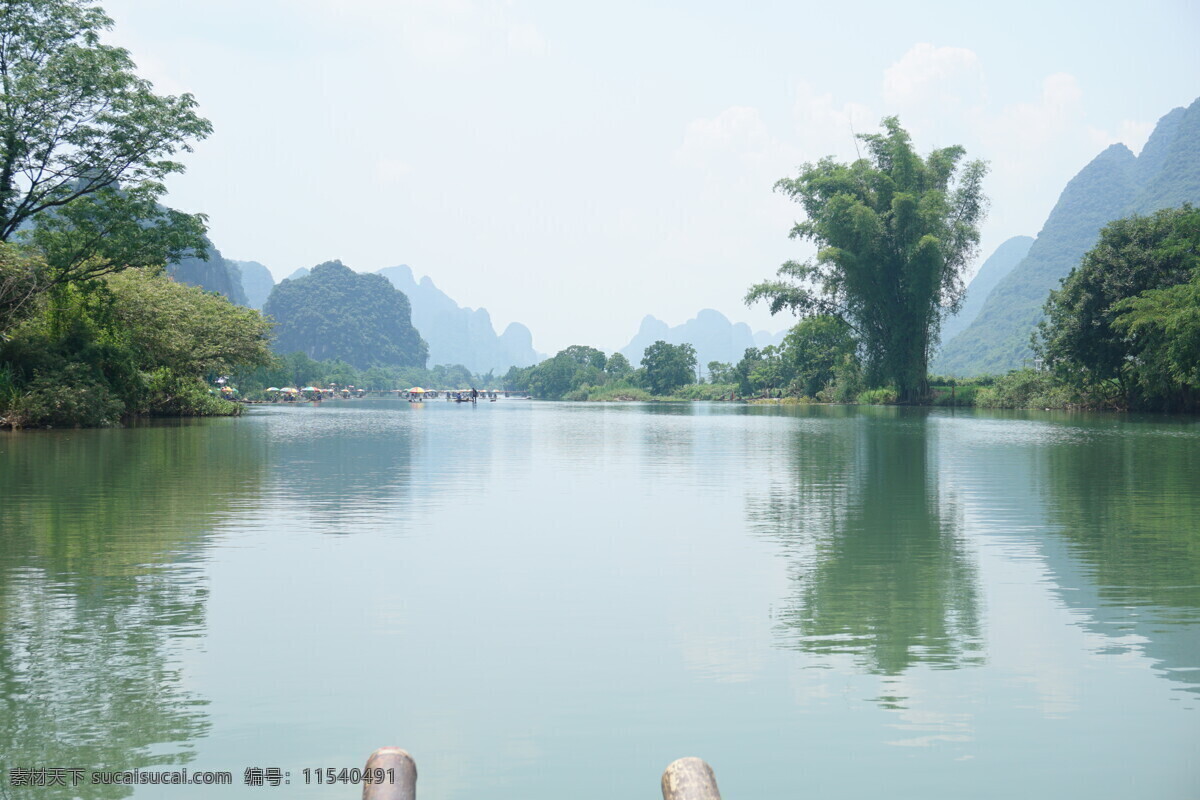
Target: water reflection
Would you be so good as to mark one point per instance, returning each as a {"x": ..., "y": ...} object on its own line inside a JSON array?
[
  {"x": 100, "y": 590},
  {"x": 876, "y": 555},
  {"x": 1128, "y": 515},
  {"x": 340, "y": 463}
]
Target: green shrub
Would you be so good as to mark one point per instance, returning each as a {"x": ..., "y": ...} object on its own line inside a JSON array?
[
  {"x": 172, "y": 395},
  {"x": 705, "y": 391},
  {"x": 615, "y": 393},
  {"x": 878, "y": 397},
  {"x": 846, "y": 385},
  {"x": 1027, "y": 388},
  {"x": 73, "y": 397},
  {"x": 957, "y": 396}
]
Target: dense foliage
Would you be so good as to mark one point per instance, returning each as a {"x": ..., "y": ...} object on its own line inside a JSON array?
[
  {"x": 134, "y": 343},
  {"x": 335, "y": 312},
  {"x": 668, "y": 367},
  {"x": 894, "y": 233},
  {"x": 1122, "y": 328},
  {"x": 23, "y": 278}
]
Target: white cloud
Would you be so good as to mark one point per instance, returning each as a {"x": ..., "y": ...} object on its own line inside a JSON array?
[
  {"x": 939, "y": 75},
  {"x": 526, "y": 38},
  {"x": 1057, "y": 114},
  {"x": 823, "y": 128},
  {"x": 437, "y": 32},
  {"x": 391, "y": 170},
  {"x": 737, "y": 132}
]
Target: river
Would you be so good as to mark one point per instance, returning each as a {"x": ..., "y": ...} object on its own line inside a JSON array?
[{"x": 547, "y": 600}]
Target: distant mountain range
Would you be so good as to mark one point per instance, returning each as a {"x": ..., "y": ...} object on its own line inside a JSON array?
[
  {"x": 257, "y": 282},
  {"x": 1115, "y": 184},
  {"x": 455, "y": 335},
  {"x": 998, "y": 265},
  {"x": 710, "y": 332},
  {"x": 217, "y": 274},
  {"x": 458, "y": 335}
]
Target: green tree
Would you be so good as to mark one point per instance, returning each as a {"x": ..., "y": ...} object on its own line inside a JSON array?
[
  {"x": 85, "y": 144},
  {"x": 134, "y": 343},
  {"x": 517, "y": 378},
  {"x": 553, "y": 378},
  {"x": 618, "y": 366},
  {"x": 1080, "y": 339},
  {"x": 1163, "y": 328},
  {"x": 813, "y": 352},
  {"x": 184, "y": 329},
  {"x": 668, "y": 366},
  {"x": 585, "y": 356},
  {"x": 742, "y": 371},
  {"x": 112, "y": 230},
  {"x": 450, "y": 376},
  {"x": 23, "y": 277},
  {"x": 768, "y": 373},
  {"x": 720, "y": 372},
  {"x": 894, "y": 233}
]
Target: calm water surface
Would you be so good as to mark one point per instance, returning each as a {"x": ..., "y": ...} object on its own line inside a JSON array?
[{"x": 821, "y": 602}]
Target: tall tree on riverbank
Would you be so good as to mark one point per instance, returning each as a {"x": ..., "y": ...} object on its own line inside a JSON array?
[
  {"x": 85, "y": 145},
  {"x": 894, "y": 233},
  {"x": 669, "y": 366}
]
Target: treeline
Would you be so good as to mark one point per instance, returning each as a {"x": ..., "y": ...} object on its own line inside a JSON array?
[
  {"x": 584, "y": 373},
  {"x": 817, "y": 358},
  {"x": 1122, "y": 332}
]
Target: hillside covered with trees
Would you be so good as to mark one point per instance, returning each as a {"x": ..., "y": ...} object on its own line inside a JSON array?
[{"x": 335, "y": 312}]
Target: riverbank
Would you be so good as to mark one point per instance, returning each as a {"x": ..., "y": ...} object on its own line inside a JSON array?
[{"x": 1021, "y": 389}]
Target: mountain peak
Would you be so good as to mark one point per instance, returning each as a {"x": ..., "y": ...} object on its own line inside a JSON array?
[{"x": 457, "y": 334}]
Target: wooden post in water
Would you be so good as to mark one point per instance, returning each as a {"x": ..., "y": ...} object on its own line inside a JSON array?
[
  {"x": 689, "y": 779},
  {"x": 404, "y": 772}
]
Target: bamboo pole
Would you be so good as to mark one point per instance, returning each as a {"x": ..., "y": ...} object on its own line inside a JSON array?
[
  {"x": 689, "y": 779},
  {"x": 404, "y": 771}
]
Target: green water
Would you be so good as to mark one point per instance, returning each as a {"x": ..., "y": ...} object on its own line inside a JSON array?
[{"x": 546, "y": 600}]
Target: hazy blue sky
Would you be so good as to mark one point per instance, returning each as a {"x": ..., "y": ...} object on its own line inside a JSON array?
[{"x": 577, "y": 166}]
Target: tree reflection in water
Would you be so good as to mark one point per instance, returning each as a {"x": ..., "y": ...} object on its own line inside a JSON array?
[
  {"x": 876, "y": 555},
  {"x": 100, "y": 588},
  {"x": 1124, "y": 497}
]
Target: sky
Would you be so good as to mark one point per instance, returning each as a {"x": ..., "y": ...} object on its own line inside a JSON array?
[{"x": 577, "y": 166}]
